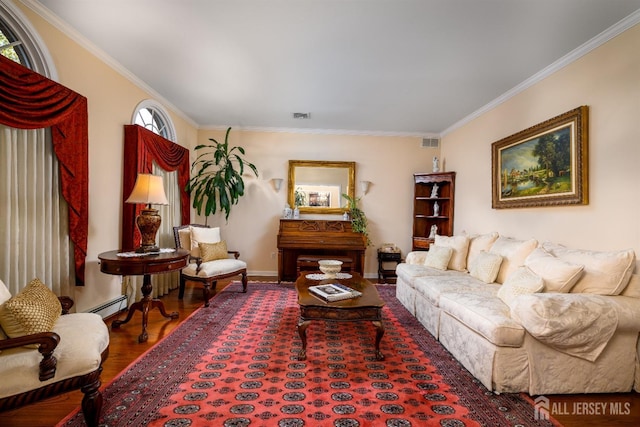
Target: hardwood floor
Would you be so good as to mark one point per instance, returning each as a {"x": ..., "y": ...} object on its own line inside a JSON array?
[{"x": 570, "y": 410}]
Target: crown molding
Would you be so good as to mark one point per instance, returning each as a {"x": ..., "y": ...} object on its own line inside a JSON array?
[
  {"x": 613, "y": 31},
  {"x": 74, "y": 35},
  {"x": 322, "y": 131}
]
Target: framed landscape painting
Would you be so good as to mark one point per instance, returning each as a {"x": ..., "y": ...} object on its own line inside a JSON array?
[{"x": 545, "y": 165}]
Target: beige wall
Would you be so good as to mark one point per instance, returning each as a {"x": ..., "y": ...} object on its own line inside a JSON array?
[
  {"x": 388, "y": 162},
  {"x": 608, "y": 81}
]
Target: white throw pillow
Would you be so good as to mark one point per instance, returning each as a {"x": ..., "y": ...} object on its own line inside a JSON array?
[
  {"x": 558, "y": 275},
  {"x": 478, "y": 244},
  {"x": 460, "y": 246},
  {"x": 438, "y": 257},
  {"x": 605, "y": 272},
  {"x": 521, "y": 282},
  {"x": 486, "y": 266},
  {"x": 203, "y": 235},
  {"x": 513, "y": 253}
]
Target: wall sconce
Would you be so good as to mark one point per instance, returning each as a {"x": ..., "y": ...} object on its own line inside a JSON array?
[
  {"x": 364, "y": 186},
  {"x": 277, "y": 183}
]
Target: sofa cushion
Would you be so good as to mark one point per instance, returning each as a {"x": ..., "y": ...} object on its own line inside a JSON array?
[
  {"x": 558, "y": 275},
  {"x": 605, "y": 272},
  {"x": 521, "y": 282},
  {"x": 213, "y": 251},
  {"x": 633, "y": 288},
  {"x": 479, "y": 243},
  {"x": 409, "y": 273},
  {"x": 513, "y": 253},
  {"x": 35, "y": 309},
  {"x": 460, "y": 247},
  {"x": 432, "y": 288},
  {"x": 485, "y": 314},
  {"x": 438, "y": 257},
  {"x": 486, "y": 266}
]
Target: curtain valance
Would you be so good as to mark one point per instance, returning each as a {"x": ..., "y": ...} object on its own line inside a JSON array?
[
  {"x": 141, "y": 148},
  {"x": 32, "y": 101}
]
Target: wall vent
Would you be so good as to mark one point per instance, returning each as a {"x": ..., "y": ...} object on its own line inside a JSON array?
[{"x": 430, "y": 142}]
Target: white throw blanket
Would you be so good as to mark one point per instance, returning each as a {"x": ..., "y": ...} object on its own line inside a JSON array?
[{"x": 576, "y": 324}]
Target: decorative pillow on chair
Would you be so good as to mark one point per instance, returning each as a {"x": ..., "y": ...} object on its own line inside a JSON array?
[
  {"x": 203, "y": 235},
  {"x": 35, "y": 309},
  {"x": 460, "y": 246},
  {"x": 438, "y": 257},
  {"x": 213, "y": 251},
  {"x": 520, "y": 282},
  {"x": 486, "y": 266}
]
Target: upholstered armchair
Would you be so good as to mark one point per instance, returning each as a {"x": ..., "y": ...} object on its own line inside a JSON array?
[
  {"x": 44, "y": 353},
  {"x": 209, "y": 260}
]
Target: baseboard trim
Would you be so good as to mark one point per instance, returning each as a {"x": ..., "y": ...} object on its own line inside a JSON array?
[{"x": 110, "y": 308}]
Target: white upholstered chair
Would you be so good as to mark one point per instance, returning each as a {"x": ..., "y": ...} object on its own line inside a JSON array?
[
  {"x": 209, "y": 261},
  {"x": 44, "y": 353}
]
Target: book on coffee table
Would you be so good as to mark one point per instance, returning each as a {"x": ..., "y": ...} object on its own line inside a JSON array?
[{"x": 334, "y": 292}]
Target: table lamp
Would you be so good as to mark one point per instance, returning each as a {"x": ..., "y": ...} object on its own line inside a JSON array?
[{"x": 149, "y": 190}]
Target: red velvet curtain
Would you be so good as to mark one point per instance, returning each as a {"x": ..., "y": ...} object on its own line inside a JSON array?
[
  {"x": 29, "y": 100},
  {"x": 141, "y": 148}
]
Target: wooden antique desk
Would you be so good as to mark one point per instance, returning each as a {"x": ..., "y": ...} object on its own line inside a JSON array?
[
  {"x": 326, "y": 238},
  {"x": 144, "y": 265}
]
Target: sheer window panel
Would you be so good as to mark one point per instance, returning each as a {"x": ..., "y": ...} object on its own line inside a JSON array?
[{"x": 34, "y": 226}]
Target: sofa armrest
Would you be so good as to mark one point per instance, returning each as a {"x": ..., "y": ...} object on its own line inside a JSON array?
[
  {"x": 416, "y": 257},
  {"x": 47, "y": 343}
]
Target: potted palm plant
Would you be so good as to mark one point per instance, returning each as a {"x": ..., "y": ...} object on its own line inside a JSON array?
[
  {"x": 217, "y": 183},
  {"x": 358, "y": 218}
]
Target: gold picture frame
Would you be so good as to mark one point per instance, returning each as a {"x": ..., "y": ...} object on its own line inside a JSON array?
[{"x": 544, "y": 165}]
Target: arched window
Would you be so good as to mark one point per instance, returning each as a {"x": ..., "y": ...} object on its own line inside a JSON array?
[
  {"x": 36, "y": 246},
  {"x": 151, "y": 115}
]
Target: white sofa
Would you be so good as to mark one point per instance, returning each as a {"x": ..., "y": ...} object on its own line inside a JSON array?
[{"x": 524, "y": 316}]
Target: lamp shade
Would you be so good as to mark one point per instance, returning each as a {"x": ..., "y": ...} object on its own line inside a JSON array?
[{"x": 148, "y": 189}]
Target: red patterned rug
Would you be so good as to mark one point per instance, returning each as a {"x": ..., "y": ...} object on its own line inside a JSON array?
[{"x": 235, "y": 364}]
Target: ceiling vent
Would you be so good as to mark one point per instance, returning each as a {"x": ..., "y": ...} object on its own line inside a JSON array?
[
  {"x": 301, "y": 115},
  {"x": 430, "y": 142}
]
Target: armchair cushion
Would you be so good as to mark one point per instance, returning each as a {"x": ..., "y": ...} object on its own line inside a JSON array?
[
  {"x": 35, "y": 309},
  {"x": 83, "y": 339},
  {"x": 213, "y": 251},
  {"x": 214, "y": 268}
]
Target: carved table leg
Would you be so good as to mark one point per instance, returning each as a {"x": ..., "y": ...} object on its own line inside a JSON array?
[
  {"x": 144, "y": 305},
  {"x": 302, "y": 331},
  {"x": 379, "y": 333}
]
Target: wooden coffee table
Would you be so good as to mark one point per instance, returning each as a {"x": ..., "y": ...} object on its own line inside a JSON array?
[{"x": 367, "y": 307}]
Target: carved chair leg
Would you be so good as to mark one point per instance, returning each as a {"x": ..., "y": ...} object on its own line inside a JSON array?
[
  {"x": 244, "y": 282},
  {"x": 92, "y": 400},
  {"x": 207, "y": 293}
]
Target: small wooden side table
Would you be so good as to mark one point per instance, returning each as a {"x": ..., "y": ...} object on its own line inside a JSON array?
[
  {"x": 385, "y": 273},
  {"x": 144, "y": 265}
]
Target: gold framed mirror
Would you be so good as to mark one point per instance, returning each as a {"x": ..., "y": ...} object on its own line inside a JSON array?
[{"x": 316, "y": 186}]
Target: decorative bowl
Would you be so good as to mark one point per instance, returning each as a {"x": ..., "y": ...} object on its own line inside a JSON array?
[{"x": 330, "y": 267}]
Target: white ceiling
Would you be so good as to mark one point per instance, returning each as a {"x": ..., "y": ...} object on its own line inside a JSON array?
[{"x": 382, "y": 66}]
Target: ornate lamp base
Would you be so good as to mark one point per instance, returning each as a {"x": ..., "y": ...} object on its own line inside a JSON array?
[{"x": 148, "y": 223}]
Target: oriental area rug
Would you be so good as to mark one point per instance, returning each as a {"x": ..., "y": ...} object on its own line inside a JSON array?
[{"x": 235, "y": 364}]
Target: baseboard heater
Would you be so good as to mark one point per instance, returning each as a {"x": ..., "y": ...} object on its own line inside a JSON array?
[{"x": 111, "y": 307}]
